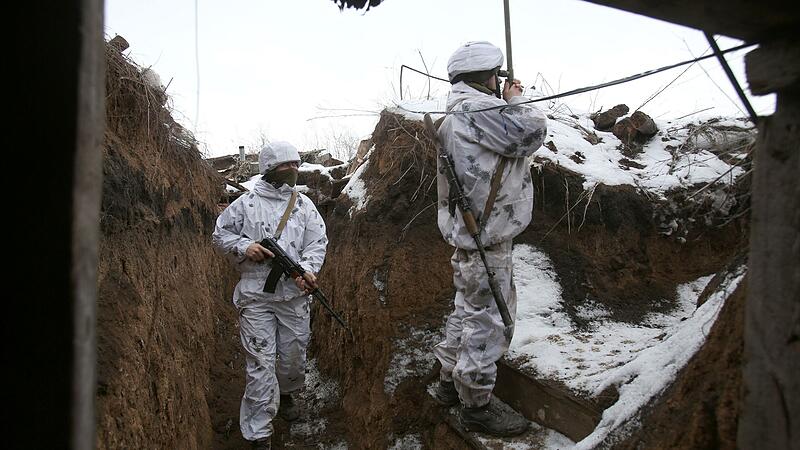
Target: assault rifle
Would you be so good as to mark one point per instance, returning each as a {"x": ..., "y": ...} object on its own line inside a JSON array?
[
  {"x": 284, "y": 265},
  {"x": 469, "y": 220}
]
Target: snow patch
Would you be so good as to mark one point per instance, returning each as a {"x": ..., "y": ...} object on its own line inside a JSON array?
[
  {"x": 355, "y": 187},
  {"x": 656, "y": 367},
  {"x": 412, "y": 357},
  {"x": 546, "y": 342},
  {"x": 411, "y": 441}
]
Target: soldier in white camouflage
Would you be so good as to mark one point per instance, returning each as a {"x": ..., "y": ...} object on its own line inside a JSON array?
[
  {"x": 274, "y": 327},
  {"x": 489, "y": 138}
]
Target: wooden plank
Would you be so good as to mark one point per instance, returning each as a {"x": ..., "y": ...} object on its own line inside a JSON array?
[
  {"x": 743, "y": 19},
  {"x": 546, "y": 404},
  {"x": 773, "y": 67}
]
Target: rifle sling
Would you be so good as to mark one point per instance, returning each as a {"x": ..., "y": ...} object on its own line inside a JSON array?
[{"x": 286, "y": 215}]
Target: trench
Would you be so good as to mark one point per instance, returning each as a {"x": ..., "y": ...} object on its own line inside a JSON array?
[{"x": 170, "y": 370}]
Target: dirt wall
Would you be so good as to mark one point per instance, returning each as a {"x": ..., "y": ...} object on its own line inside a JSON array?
[
  {"x": 388, "y": 274},
  {"x": 164, "y": 319}
]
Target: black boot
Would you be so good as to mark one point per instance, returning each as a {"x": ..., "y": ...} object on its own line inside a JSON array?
[
  {"x": 288, "y": 409},
  {"x": 493, "y": 419},
  {"x": 446, "y": 394},
  {"x": 261, "y": 444}
]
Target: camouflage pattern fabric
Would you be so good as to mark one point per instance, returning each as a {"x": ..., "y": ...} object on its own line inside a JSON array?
[
  {"x": 477, "y": 141},
  {"x": 474, "y": 339}
]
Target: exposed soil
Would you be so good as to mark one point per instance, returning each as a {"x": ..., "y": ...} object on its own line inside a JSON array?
[
  {"x": 164, "y": 324},
  {"x": 387, "y": 275}
]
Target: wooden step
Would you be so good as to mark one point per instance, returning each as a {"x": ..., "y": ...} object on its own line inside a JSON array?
[{"x": 548, "y": 403}]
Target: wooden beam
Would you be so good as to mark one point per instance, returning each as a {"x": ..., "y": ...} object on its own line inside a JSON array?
[
  {"x": 771, "y": 405},
  {"x": 86, "y": 198},
  {"x": 548, "y": 405},
  {"x": 59, "y": 118},
  {"x": 742, "y": 19}
]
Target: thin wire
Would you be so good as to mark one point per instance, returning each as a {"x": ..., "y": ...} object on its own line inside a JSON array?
[
  {"x": 584, "y": 89},
  {"x": 403, "y": 66},
  {"x": 667, "y": 86}
]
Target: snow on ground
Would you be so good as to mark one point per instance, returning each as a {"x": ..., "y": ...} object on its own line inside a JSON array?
[
  {"x": 545, "y": 340},
  {"x": 600, "y": 163},
  {"x": 411, "y": 441},
  {"x": 356, "y": 189},
  {"x": 325, "y": 170},
  {"x": 319, "y": 393},
  {"x": 412, "y": 356},
  {"x": 640, "y": 360}
]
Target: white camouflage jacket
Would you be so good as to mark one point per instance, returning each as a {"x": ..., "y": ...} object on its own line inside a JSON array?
[
  {"x": 477, "y": 141},
  {"x": 249, "y": 217}
]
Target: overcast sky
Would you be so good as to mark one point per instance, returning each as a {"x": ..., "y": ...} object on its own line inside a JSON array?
[{"x": 274, "y": 68}]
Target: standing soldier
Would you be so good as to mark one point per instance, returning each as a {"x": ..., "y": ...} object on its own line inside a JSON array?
[
  {"x": 489, "y": 140},
  {"x": 272, "y": 326}
]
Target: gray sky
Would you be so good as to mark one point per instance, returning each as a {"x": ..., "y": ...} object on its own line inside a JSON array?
[{"x": 267, "y": 68}]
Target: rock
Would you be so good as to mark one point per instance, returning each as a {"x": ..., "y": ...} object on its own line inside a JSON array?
[
  {"x": 119, "y": 43},
  {"x": 644, "y": 124},
  {"x": 319, "y": 156},
  {"x": 604, "y": 121},
  {"x": 634, "y": 131},
  {"x": 625, "y": 131},
  {"x": 338, "y": 173}
]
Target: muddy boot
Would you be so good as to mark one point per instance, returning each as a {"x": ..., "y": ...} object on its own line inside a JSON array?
[
  {"x": 261, "y": 444},
  {"x": 288, "y": 410},
  {"x": 493, "y": 419},
  {"x": 446, "y": 394}
]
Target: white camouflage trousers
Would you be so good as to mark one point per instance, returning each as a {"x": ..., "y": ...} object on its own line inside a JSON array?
[
  {"x": 474, "y": 339},
  {"x": 274, "y": 336}
]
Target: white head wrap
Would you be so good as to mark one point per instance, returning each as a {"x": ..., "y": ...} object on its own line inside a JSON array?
[
  {"x": 276, "y": 153},
  {"x": 475, "y": 56}
]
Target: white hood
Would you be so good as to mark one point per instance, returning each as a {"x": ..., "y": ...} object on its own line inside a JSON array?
[
  {"x": 475, "y": 56},
  {"x": 276, "y": 153}
]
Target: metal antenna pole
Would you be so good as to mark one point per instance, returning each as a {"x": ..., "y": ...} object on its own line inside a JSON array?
[{"x": 509, "y": 63}]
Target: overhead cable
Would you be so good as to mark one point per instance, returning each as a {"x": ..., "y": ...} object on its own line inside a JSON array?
[{"x": 717, "y": 53}]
